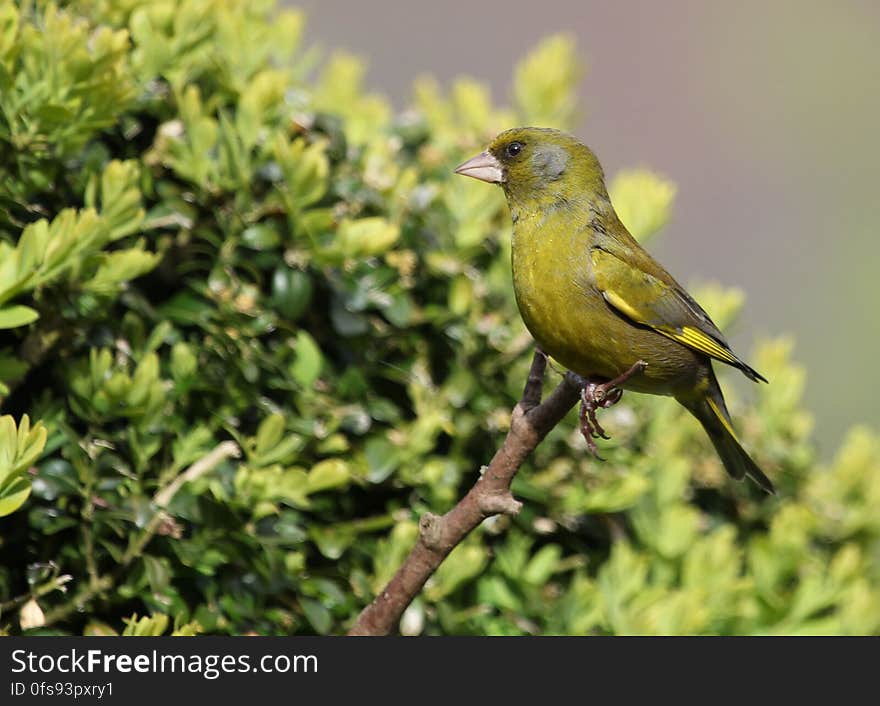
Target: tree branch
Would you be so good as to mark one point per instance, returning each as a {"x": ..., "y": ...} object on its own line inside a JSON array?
[{"x": 490, "y": 495}]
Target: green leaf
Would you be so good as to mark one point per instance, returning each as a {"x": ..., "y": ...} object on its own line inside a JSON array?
[
  {"x": 332, "y": 541},
  {"x": 269, "y": 434},
  {"x": 317, "y": 615},
  {"x": 147, "y": 626},
  {"x": 643, "y": 201},
  {"x": 366, "y": 236},
  {"x": 261, "y": 237},
  {"x": 13, "y": 495},
  {"x": 382, "y": 459},
  {"x": 291, "y": 292},
  {"x": 8, "y": 445},
  {"x": 330, "y": 473},
  {"x": 543, "y": 564},
  {"x": 546, "y": 82},
  {"x": 495, "y": 591},
  {"x": 308, "y": 361},
  {"x": 19, "y": 449},
  {"x": 157, "y": 571},
  {"x": 184, "y": 363},
  {"x": 15, "y": 316},
  {"x": 121, "y": 266}
]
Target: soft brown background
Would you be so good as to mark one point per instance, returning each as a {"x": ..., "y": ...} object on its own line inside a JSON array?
[{"x": 765, "y": 114}]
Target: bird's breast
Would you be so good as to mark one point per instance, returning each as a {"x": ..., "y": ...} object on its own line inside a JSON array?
[
  {"x": 569, "y": 318},
  {"x": 553, "y": 283}
]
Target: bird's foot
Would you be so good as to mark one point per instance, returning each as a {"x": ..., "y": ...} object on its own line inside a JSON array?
[
  {"x": 609, "y": 393},
  {"x": 590, "y": 427},
  {"x": 602, "y": 395}
]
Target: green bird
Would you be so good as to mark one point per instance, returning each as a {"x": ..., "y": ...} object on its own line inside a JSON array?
[{"x": 595, "y": 300}]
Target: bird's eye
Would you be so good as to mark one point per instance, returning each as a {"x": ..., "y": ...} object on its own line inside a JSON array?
[{"x": 514, "y": 148}]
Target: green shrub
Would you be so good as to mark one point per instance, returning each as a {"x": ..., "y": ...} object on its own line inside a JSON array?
[{"x": 264, "y": 327}]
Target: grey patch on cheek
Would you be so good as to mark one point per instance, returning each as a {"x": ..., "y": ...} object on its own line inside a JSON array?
[{"x": 551, "y": 161}]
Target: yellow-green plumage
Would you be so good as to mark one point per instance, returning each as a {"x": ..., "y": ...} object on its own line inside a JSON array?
[{"x": 592, "y": 297}]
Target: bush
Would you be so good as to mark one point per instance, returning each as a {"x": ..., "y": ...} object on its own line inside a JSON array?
[{"x": 263, "y": 327}]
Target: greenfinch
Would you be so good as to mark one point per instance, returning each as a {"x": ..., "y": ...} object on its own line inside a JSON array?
[{"x": 595, "y": 300}]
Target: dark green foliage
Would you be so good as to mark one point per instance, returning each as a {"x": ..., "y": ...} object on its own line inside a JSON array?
[{"x": 203, "y": 250}]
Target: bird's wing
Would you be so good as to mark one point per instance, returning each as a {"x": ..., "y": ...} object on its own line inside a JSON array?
[{"x": 663, "y": 305}]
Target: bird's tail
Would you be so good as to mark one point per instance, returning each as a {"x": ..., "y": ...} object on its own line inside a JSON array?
[{"x": 713, "y": 415}]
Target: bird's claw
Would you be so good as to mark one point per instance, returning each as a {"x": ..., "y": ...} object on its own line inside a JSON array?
[
  {"x": 602, "y": 396},
  {"x": 590, "y": 427},
  {"x": 606, "y": 397},
  {"x": 596, "y": 429}
]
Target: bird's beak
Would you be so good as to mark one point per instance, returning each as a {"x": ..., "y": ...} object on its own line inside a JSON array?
[{"x": 483, "y": 167}]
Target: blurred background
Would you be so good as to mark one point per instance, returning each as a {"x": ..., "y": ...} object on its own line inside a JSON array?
[{"x": 763, "y": 114}]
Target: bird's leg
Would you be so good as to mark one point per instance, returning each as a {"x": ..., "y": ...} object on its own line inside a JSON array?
[
  {"x": 590, "y": 428},
  {"x": 601, "y": 395},
  {"x": 609, "y": 393}
]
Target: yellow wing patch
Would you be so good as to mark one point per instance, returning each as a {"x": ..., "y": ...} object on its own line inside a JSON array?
[
  {"x": 702, "y": 342},
  {"x": 652, "y": 302},
  {"x": 689, "y": 336},
  {"x": 621, "y": 305}
]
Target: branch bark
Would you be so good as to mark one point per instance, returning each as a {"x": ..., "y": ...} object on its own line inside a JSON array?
[{"x": 532, "y": 420}]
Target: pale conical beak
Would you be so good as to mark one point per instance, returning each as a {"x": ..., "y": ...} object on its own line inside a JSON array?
[{"x": 483, "y": 167}]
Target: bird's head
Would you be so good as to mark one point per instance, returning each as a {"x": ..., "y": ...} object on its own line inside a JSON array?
[{"x": 537, "y": 167}]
